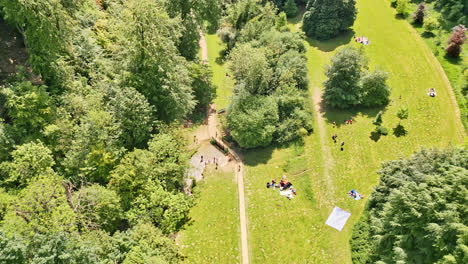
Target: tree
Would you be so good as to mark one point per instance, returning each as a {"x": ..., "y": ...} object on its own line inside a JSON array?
[
  {"x": 252, "y": 120},
  {"x": 378, "y": 119},
  {"x": 342, "y": 89},
  {"x": 28, "y": 107},
  {"x": 41, "y": 208},
  {"x": 375, "y": 91},
  {"x": 156, "y": 69},
  {"x": 94, "y": 150},
  {"x": 417, "y": 212},
  {"x": 97, "y": 207},
  {"x": 164, "y": 163},
  {"x": 250, "y": 66},
  {"x": 402, "y": 6},
  {"x": 402, "y": 113},
  {"x": 325, "y": 19},
  {"x": 281, "y": 21},
  {"x": 29, "y": 161},
  {"x": 457, "y": 39},
  {"x": 150, "y": 246},
  {"x": 453, "y": 10},
  {"x": 6, "y": 143},
  {"x": 47, "y": 27},
  {"x": 166, "y": 210},
  {"x": 290, "y": 8},
  {"x": 420, "y": 13},
  {"x": 291, "y": 68},
  {"x": 430, "y": 24},
  {"x": 133, "y": 114}
]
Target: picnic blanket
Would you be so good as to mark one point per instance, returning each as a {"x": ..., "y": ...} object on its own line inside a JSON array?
[
  {"x": 287, "y": 193},
  {"x": 338, "y": 218}
]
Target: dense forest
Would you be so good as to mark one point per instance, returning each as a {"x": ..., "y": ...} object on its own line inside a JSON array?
[
  {"x": 91, "y": 160},
  {"x": 417, "y": 213}
]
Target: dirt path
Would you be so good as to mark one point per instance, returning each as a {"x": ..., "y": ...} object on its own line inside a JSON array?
[
  {"x": 239, "y": 168},
  {"x": 326, "y": 154}
]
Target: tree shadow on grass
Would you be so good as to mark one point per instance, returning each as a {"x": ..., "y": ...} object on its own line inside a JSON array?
[
  {"x": 427, "y": 34},
  {"x": 399, "y": 131},
  {"x": 452, "y": 60},
  {"x": 331, "y": 44},
  {"x": 401, "y": 16},
  {"x": 255, "y": 156},
  {"x": 339, "y": 116},
  {"x": 222, "y": 57},
  {"x": 375, "y": 136}
]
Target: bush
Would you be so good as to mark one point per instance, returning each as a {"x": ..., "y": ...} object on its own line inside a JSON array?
[
  {"x": 456, "y": 41},
  {"x": 418, "y": 15},
  {"x": 375, "y": 91},
  {"x": 401, "y": 7},
  {"x": 382, "y": 130},
  {"x": 430, "y": 24}
]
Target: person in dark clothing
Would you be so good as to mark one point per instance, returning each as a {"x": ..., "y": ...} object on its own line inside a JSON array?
[{"x": 268, "y": 184}]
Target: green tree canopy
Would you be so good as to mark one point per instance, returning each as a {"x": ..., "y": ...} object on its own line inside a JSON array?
[
  {"x": 252, "y": 120},
  {"x": 325, "y": 19},
  {"x": 29, "y": 161},
  {"x": 417, "y": 213},
  {"x": 342, "y": 88}
]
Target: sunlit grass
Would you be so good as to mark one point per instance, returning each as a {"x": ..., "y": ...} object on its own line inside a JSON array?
[{"x": 213, "y": 235}]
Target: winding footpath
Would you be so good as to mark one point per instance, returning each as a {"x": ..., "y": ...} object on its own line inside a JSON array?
[{"x": 239, "y": 168}]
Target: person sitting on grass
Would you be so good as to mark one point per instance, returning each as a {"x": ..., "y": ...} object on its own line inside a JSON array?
[{"x": 268, "y": 185}]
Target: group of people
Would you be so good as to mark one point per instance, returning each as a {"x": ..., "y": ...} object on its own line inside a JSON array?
[
  {"x": 334, "y": 139},
  {"x": 285, "y": 187},
  {"x": 348, "y": 121},
  {"x": 362, "y": 40},
  {"x": 215, "y": 161}
]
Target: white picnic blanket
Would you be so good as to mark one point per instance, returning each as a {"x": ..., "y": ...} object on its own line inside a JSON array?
[
  {"x": 338, "y": 218},
  {"x": 287, "y": 193}
]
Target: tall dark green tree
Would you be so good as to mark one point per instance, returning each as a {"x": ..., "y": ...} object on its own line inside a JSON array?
[
  {"x": 325, "y": 19},
  {"x": 155, "y": 66},
  {"x": 342, "y": 88}
]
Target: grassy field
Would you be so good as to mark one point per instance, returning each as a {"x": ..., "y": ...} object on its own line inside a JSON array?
[
  {"x": 293, "y": 231},
  {"x": 213, "y": 234},
  {"x": 453, "y": 67},
  {"x": 278, "y": 227}
]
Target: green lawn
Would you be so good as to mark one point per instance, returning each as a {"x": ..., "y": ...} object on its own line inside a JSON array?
[
  {"x": 296, "y": 228},
  {"x": 223, "y": 83},
  {"x": 284, "y": 231},
  {"x": 213, "y": 236}
]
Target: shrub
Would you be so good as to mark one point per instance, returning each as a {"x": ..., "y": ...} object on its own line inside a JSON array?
[
  {"x": 382, "y": 130},
  {"x": 418, "y": 15},
  {"x": 401, "y": 7},
  {"x": 430, "y": 23},
  {"x": 375, "y": 91},
  {"x": 456, "y": 41}
]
